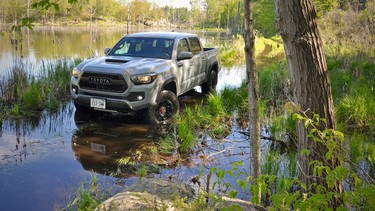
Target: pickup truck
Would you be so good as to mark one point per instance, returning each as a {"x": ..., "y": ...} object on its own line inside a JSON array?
[{"x": 144, "y": 73}]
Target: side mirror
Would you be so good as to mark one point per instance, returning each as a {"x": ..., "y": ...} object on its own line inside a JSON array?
[
  {"x": 184, "y": 55},
  {"x": 107, "y": 50}
]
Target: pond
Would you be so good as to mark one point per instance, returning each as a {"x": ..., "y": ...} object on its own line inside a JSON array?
[{"x": 45, "y": 159}]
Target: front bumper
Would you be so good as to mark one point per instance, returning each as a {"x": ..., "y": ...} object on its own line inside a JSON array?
[{"x": 135, "y": 98}]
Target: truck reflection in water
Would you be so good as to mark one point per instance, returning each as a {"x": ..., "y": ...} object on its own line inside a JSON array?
[
  {"x": 119, "y": 145},
  {"x": 116, "y": 145}
]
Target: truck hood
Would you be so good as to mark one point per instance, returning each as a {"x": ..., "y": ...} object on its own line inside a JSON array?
[{"x": 116, "y": 64}]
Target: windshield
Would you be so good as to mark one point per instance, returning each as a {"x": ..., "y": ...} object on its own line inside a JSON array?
[{"x": 146, "y": 47}]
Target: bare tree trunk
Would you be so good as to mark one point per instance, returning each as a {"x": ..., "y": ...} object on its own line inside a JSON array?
[
  {"x": 253, "y": 87},
  {"x": 312, "y": 89}
]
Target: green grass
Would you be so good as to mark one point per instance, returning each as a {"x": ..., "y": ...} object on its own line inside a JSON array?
[
  {"x": 24, "y": 92},
  {"x": 89, "y": 196},
  {"x": 274, "y": 84},
  {"x": 167, "y": 145},
  {"x": 265, "y": 17}
]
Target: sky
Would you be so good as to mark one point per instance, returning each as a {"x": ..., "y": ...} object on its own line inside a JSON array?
[{"x": 174, "y": 3}]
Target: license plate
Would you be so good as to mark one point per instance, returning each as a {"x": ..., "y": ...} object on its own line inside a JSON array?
[
  {"x": 97, "y": 103},
  {"x": 98, "y": 148}
]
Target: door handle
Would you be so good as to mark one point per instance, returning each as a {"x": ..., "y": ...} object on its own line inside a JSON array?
[
  {"x": 203, "y": 59},
  {"x": 192, "y": 63},
  {"x": 180, "y": 64}
]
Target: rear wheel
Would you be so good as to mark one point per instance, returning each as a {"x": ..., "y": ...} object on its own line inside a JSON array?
[
  {"x": 210, "y": 85},
  {"x": 167, "y": 106}
]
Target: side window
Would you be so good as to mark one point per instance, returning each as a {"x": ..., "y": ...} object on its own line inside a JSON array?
[
  {"x": 195, "y": 46},
  {"x": 182, "y": 46}
]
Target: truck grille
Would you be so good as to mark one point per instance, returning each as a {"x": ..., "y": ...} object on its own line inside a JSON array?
[{"x": 103, "y": 82}]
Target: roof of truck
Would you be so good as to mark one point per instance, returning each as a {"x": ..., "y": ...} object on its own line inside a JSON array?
[{"x": 170, "y": 35}]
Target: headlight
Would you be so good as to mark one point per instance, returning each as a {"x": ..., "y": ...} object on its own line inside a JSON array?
[
  {"x": 143, "y": 79},
  {"x": 76, "y": 73}
]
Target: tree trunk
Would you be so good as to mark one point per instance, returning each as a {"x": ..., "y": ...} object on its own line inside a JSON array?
[
  {"x": 253, "y": 87},
  {"x": 312, "y": 90}
]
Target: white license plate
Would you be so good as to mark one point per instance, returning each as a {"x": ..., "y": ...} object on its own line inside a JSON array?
[
  {"x": 97, "y": 103},
  {"x": 98, "y": 148}
]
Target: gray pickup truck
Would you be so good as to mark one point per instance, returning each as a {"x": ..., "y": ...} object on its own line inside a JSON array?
[{"x": 144, "y": 73}]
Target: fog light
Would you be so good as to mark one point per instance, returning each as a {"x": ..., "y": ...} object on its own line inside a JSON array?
[
  {"x": 136, "y": 96},
  {"x": 74, "y": 89}
]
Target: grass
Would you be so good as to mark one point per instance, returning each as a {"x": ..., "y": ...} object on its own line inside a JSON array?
[
  {"x": 274, "y": 84},
  {"x": 232, "y": 50},
  {"x": 26, "y": 90},
  {"x": 89, "y": 196},
  {"x": 167, "y": 145}
]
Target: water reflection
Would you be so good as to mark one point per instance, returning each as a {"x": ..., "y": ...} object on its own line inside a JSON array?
[
  {"x": 28, "y": 139},
  {"x": 104, "y": 138},
  {"x": 49, "y": 43}
]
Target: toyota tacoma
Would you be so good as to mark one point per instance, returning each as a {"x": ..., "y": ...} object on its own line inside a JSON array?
[{"x": 144, "y": 73}]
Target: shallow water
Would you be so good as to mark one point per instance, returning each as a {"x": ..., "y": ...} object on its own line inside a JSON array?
[{"x": 45, "y": 159}]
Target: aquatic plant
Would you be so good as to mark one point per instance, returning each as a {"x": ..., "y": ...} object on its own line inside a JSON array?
[
  {"x": 89, "y": 195},
  {"x": 25, "y": 89},
  {"x": 167, "y": 145}
]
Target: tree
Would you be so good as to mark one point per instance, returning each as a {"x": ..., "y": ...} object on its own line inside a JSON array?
[
  {"x": 311, "y": 81},
  {"x": 253, "y": 87}
]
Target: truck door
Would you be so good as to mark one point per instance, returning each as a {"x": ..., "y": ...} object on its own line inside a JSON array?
[
  {"x": 185, "y": 72},
  {"x": 199, "y": 60}
]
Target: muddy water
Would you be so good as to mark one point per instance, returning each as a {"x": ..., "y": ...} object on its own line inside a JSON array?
[{"x": 45, "y": 159}]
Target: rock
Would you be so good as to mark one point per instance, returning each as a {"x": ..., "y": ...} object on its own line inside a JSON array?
[
  {"x": 158, "y": 194},
  {"x": 148, "y": 194},
  {"x": 135, "y": 201},
  {"x": 245, "y": 205}
]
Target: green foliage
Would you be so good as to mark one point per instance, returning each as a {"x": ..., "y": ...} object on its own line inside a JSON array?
[
  {"x": 34, "y": 93},
  {"x": 142, "y": 171},
  {"x": 88, "y": 196},
  {"x": 167, "y": 145},
  {"x": 32, "y": 96},
  {"x": 353, "y": 83},
  {"x": 283, "y": 127},
  {"x": 324, "y": 6},
  {"x": 215, "y": 105},
  {"x": 349, "y": 33},
  {"x": 289, "y": 193},
  {"x": 274, "y": 83},
  {"x": 271, "y": 163},
  {"x": 265, "y": 17},
  {"x": 231, "y": 51},
  {"x": 236, "y": 99}
]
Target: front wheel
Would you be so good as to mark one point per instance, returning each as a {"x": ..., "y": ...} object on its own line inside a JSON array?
[
  {"x": 210, "y": 85},
  {"x": 167, "y": 106}
]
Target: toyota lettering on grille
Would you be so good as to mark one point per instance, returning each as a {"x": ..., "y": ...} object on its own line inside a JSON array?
[{"x": 95, "y": 80}]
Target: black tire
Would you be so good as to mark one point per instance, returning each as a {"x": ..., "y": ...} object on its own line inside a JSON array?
[
  {"x": 166, "y": 106},
  {"x": 210, "y": 85}
]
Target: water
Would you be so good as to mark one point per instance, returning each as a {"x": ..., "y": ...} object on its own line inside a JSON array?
[{"x": 45, "y": 159}]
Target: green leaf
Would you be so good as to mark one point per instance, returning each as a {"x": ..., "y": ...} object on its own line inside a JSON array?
[
  {"x": 242, "y": 184},
  {"x": 308, "y": 122},
  {"x": 233, "y": 194},
  {"x": 305, "y": 152},
  {"x": 221, "y": 174}
]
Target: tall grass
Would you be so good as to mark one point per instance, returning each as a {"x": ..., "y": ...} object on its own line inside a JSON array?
[
  {"x": 274, "y": 82},
  {"x": 232, "y": 50},
  {"x": 208, "y": 117},
  {"x": 26, "y": 89}
]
